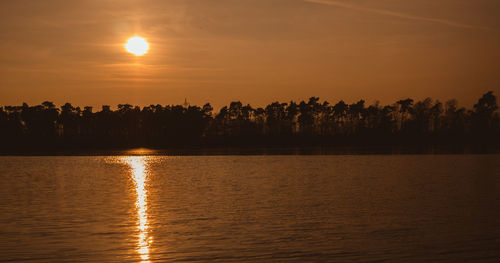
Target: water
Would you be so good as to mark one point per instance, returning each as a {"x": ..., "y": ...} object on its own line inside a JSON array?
[{"x": 393, "y": 208}]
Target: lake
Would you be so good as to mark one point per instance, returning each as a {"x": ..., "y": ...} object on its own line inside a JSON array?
[{"x": 294, "y": 208}]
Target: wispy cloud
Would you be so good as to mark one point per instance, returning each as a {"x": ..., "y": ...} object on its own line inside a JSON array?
[{"x": 397, "y": 14}]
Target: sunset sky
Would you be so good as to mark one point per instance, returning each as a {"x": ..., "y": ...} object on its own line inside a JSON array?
[{"x": 256, "y": 51}]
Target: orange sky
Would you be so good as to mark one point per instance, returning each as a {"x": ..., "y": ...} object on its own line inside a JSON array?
[{"x": 256, "y": 51}]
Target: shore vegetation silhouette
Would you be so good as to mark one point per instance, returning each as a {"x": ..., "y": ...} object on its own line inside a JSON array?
[{"x": 405, "y": 123}]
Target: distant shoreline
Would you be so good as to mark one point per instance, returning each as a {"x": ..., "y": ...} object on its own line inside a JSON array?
[
  {"x": 307, "y": 127},
  {"x": 214, "y": 151}
]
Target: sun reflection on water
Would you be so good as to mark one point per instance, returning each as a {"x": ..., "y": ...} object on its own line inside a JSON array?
[{"x": 139, "y": 175}]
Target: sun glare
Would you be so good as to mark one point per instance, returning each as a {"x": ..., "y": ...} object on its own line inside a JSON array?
[
  {"x": 137, "y": 46},
  {"x": 138, "y": 167}
]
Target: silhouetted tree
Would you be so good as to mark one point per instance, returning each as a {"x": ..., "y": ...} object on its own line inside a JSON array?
[
  {"x": 483, "y": 114},
  {"x": 405, "y": 107}
]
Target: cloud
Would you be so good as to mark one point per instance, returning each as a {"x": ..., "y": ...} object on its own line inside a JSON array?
[{"x": 397, "y": 14}]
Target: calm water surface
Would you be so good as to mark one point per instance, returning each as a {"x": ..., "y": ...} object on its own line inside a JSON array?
[{"x": 392, "y": 208}]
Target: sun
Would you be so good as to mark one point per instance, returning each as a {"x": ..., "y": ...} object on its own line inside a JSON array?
[{"x": 137, "y": 46}]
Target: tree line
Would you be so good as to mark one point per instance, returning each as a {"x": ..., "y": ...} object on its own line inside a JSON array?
[{"x": 306, "y": 123}]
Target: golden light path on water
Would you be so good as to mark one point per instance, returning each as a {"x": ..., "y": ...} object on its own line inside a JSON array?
[{"x": 140, "y": 175}]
